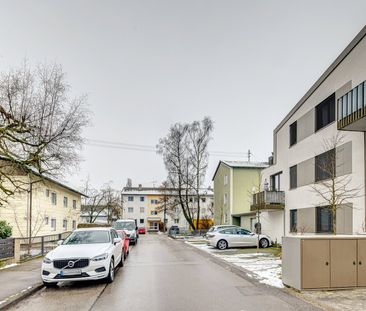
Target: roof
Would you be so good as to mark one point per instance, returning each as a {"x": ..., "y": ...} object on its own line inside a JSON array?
[
  {"x": 160, "y": 191},
  {"x": 324, "y": 76},
  {"x": 240, "y": 164},
  {"x": 34, "y": 172}
]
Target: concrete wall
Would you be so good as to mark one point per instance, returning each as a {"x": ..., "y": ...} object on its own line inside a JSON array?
[{"x": 352, "y": 68}]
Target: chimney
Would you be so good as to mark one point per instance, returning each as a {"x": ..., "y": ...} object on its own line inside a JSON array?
[{"x": 140, "y": 187}]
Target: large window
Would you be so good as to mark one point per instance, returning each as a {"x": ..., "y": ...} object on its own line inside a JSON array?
[
  {"x": 325, "y": 166},
  {"x": 66, "y": 201},
  {"x": 130, "y": 209},
  {"x": 324, "y": 220},
  {"x": 293, "y": 177},
  {"x": 293, "y": 133},
  {"x": 293, "y": 220},
  {"x": 325, "y": 112},
  {"x": 130, "y": 199},
  {"x": 275, "y": 182},
  {"x": 142, "y": 199},
  {"x": 54, "y": 198},
  {"x": 142, "y": 209}
]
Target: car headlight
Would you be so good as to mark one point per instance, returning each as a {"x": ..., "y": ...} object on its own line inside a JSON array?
[
  {"x": 100, "y": 257},
  {"x": 47, "y": 260}
]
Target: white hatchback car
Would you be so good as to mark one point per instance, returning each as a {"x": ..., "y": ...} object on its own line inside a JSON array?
[
  {"x": 86, "y": 254},
  {"x": 236, "y": 237}
]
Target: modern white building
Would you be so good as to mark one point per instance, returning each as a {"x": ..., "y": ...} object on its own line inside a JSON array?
[
  {"x": 334, "y": 109},
  {"x": 144, "y": 205}
]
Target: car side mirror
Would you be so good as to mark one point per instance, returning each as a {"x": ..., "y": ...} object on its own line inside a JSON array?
[
  {"x": 60, "y": 242},
  {"x": 137, "y": 228},
  {"x": 252, "y": 233},
  {"x": 116, "y": 241}
]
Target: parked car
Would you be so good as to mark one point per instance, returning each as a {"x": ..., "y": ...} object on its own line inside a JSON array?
[
  {"x": 236, "y": 237},
  {"x": 174, "y": 229},
  {"x": 219, "y": 227},
  {"x": 129, "y": 227},
  {"x": 125, "y": 243},
  {"x": 86, "y": 254},
  {"x": 141, "y": 230}
]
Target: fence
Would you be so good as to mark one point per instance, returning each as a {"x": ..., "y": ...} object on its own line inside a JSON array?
[
  {"x": 39, "y": 245},
  {"x": 6, "y": 248}
]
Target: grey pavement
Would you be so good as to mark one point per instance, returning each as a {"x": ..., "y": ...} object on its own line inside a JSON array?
[
  {"x": 18, "y": 279},
  {"x": 163, "y": 274}
]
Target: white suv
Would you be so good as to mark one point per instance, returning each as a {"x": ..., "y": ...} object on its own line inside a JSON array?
[{"x": 86, "y": 254}]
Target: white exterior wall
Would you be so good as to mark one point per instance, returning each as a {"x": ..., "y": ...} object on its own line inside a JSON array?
[
  {"x": 135, "y": 204},
  {"x": 352, "y": 68}
]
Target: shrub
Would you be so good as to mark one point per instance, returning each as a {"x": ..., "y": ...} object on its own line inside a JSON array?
[{"x": 5, "y": 229}]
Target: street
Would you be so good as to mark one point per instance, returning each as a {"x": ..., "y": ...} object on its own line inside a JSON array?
[{"x": 164, "y": 274}]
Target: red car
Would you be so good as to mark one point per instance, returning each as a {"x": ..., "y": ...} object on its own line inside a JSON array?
[
  {"x": 125, "y": 243},
  {"x": 141, "y": 230}
]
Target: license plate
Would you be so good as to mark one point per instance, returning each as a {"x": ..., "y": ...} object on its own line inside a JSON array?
[{"x": 70, "y": 272}]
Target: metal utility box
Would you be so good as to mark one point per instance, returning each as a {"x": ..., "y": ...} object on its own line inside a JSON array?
[{"x": 324, "y": 262}]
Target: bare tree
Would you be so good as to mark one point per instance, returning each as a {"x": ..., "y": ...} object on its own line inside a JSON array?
[
  {"x": 334, "y": 191},
  {"x": 93, "y": 202},
  {"x": 112, "y": 203},
  {"x": 40, "y": 125},
  {"x": 199, "y": 136},
  {"x": 184, "y": 152}
]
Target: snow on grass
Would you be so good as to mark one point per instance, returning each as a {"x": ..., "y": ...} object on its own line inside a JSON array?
[
  {"x": 264, "y": 267},
  {"x": 9, "y": 266}
]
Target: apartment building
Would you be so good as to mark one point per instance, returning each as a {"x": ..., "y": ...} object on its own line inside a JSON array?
[
  {"x": 233, "y": 187},
  {"x": 329, "y": 122},
  {"x": 45, "y": 207},
  {"x": 144, "y": 205}
]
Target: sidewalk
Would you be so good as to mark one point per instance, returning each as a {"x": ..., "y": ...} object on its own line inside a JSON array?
[{"x": 19, "y": 280}]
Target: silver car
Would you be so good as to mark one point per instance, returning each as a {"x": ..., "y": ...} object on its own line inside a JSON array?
[{"x": 236, "y": 237}]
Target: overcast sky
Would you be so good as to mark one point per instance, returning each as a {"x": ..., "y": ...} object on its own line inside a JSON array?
[{"x": 148, "y": 64}]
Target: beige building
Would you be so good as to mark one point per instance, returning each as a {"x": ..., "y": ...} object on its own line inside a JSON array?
[{"x": 42, "y": 207}]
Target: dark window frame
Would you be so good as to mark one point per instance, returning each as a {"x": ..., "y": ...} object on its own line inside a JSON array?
[
  {"x": 293, "y": 179},
  {"x": 293, "y": 133},
  {"x": 293, "y": 220},
  {"x": 325, "y": 112},
  {"x": 325, "y": 165},
  {"x": 319, "y": 225}
]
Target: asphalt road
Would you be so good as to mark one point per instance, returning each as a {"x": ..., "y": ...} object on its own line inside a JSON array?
[{"x": 166, "y": 275}]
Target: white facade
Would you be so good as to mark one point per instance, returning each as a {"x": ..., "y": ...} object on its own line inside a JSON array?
[
  {"x": 348, "y": 71},
  {"x": 142, "y": 204}
]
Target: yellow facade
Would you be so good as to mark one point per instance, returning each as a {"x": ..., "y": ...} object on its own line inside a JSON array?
[
  {"x": 51, "y": 213},
  {"x": 154, "y": 218}
]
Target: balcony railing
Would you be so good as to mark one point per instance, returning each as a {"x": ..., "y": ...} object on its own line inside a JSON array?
[
  {"x": 352, "y": 109},
  {"x": 268, "y": 200}
]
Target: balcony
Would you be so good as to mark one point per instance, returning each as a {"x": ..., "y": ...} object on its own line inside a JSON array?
[
  {"x": 268, "y": 200},
  {"x": 352, "y": 110}
]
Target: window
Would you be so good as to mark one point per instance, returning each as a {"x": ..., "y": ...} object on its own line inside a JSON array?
[
  {"x": 142, "y": 221},
  {"x": 225, "y": 180},
  {"x": 53, "y": 224},
  {"x": 293, "y": 220},
  {"x": 325, "y": 166},
  {"x": 203, "y": 200},
  {"x": 65, "y": 201},
  {"x": 293, "y": 133},
  {"x": 293, "y": 177},
  {"x": 74, "y": 204},
  {"x": 73, "y": 224},
  {"x": 46, "y": 220},
  {"x": 324, "y": 220},
  {"x": 154, "y": 201},
  {"x": 225, "y": 199},
  {"x": 176, "y": 221},
  {"x": 154, "y": 212},
  {"x": 325, "y": 112},
  {"x": 142, "y": 199},
  {"x": 242, "y": 232},
  {"x": 54, "y": 198},
  {"x": 142, "y": 209},
  {"x": 275, "y": 182},
  {"x": 64, "y": 224},
  {"x": 130, "y": 199},
  {"x": 130, "y": 209},
  {"x": 228, "y": 231},
  {"x": 47, "y": 193}
]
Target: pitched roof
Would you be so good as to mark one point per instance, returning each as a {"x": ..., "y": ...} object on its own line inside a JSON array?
[
  {"x": 324, "y": 76},
  {"x": 240, "y": 164}
]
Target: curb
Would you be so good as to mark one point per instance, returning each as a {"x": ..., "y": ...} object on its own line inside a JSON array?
[{"x": 15, "y": 298}]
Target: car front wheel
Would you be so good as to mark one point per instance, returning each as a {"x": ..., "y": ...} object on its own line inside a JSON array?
[
  {"x": 222, "y": 244},
  {"x": 263, "y": 243},
  {"x": 110, "y": 277}
]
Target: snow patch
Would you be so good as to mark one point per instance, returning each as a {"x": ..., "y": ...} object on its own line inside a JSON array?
[
  {"x": 264, "y": 267},
  {"x": 9, "y": 266}
]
